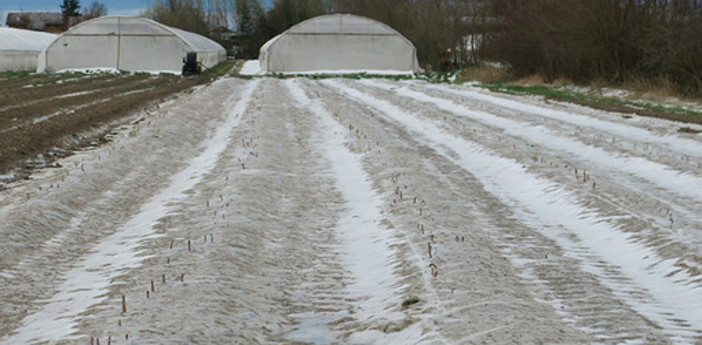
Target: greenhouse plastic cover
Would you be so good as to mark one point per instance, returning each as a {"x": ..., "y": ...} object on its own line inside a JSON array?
[
  {"x": 19, "y": 49},
  {"x": 338, "y": 42},
  {"x": 135, "y": 26},
  {"x": 130, "y": 44},
  {"x": 27, "y": 40}
]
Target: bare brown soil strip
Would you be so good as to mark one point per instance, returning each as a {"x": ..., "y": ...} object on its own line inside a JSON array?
[
  {"x": 38, "y": 105},
  {"x": 59, "y": 135},
  {"x": 13, "y": 83},
  {"x": 11, "y": 97}
]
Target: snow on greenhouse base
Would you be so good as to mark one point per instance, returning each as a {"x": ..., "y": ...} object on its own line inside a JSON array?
[
  {"x": 352, "y": 72},
  {"x": 111, "y": 70},
  {"x": 253, "y": 68}
]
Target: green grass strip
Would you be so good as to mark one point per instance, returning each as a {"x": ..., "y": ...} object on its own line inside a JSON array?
[{"x": 607, "y": 103}]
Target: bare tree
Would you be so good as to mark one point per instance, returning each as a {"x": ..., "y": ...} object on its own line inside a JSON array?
[
  {"x": 96, "y": 9},
  {"x": 286, "y": 13},
  {"x": 249, "y": 17},
  {"x": 612, "y": 40},
  {"x": 188, "y": 15},
  {"x": 218, "y": 13},
  {"x": 256, "y": 25}
]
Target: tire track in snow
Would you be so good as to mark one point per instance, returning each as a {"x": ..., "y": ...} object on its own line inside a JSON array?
[
  {"x": 675, "y": 298},
  {"x": 85, "y": 285},
  {"x": 366, "y": 243}
]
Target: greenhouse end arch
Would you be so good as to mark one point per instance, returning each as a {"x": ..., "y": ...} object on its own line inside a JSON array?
[
  {"x": 338, "y": 42},
  {"x": 19, "y": 49},
  {"x": 128, "y": 44}
]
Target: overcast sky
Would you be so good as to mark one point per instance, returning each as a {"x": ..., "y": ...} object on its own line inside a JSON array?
[{"x": 114, "y": 7}]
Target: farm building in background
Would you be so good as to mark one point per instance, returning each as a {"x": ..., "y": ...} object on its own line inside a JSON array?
[
  {"x": 128, "y": 44},
  {"x": 338, "y": 42},
  {"x": 19, "y": 49}
]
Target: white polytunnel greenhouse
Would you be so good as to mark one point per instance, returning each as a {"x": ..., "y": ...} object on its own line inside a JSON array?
[
  {"x": 338, "y": 42},
  {"x": 128, "y": 44},
  {"x": 19, "y": 49}
]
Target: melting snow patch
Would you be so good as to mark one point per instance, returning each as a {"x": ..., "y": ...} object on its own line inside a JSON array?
[
  {"x": 94, "y": 70},
  {"x": 351, "y": 72},
  {"x": 111, "y": 70},
  {"x": 313, "y": 329},
  {"x": 251, "y": 67}
]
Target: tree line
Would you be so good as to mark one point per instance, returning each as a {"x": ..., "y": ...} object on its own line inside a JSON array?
[
  {"x": 439, "y": 28},
  {"x": 580, "y": 40},
  {"x": 71, "y": 8},
  {"x": 613, "y": 40}
]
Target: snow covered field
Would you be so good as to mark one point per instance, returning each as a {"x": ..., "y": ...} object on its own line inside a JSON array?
[{"x": 365, "y": 212}]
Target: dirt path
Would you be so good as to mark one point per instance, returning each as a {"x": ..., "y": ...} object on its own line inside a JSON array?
[{"x": 296, "y": 211}]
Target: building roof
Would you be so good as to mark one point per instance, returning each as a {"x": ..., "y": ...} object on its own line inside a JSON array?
[{"x": 39, "y": 20}]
